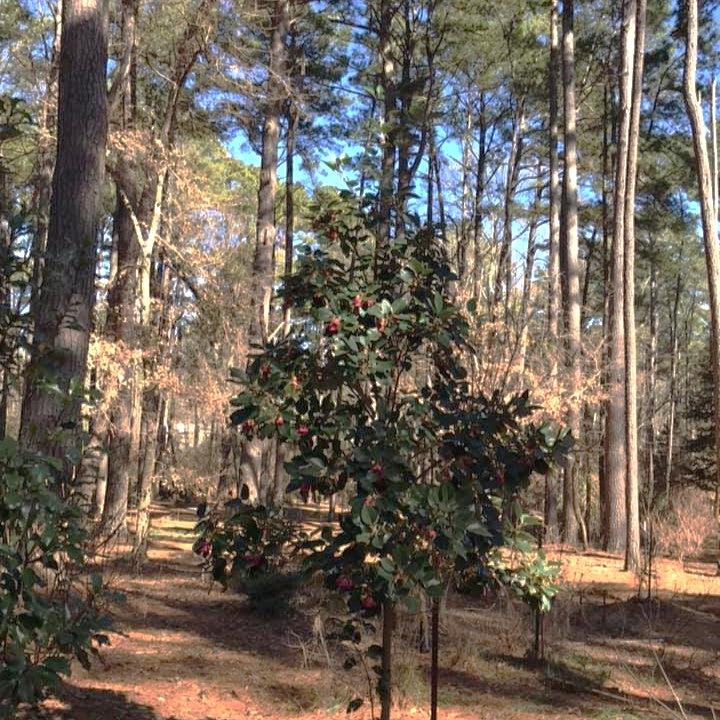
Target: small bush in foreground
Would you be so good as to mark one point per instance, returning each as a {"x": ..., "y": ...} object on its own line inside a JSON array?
[{"x": 48, "y": 609}]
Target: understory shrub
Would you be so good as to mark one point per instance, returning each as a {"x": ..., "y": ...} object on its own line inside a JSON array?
[
  {"x": 686, "y": 526},
  {"x": 49, "y": 607}
]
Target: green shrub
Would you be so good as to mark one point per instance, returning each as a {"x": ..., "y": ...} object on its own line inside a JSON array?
[{"x": 48, "y": 608}]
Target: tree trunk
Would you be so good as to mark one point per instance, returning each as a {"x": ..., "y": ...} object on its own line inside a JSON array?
[
  {"x": 387, "y": 171},
  {"x": 675, "y": 335},
  {"x": 478, "y": 205},
  {"x": 64, "y": 307},
  {"x": 525, "y": 316},
  {"x": 385, "y": 685},
  {"x": 570, "y": 273},
  {"x": 504, "y": 267},
  {"x": 632, "y": 482},
  {"x": 616, "y": 460},
  {"x": 554, "y": 299},
  {"x": 123, "y": 323},
  {"x": 123, "y": 329},
  {"x": 652, "y": 381},
  {"x": 151, "y": 414},
  {"x": 605, "y": 364},
  {"x": 255, "y": 451},
  {"x": 292, "y": 120},
  {"x": 44, "y": 167},
  {"x": 708, "y": 214}
]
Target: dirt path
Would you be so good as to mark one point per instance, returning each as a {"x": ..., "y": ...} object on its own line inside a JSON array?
[
  {"x": 178, "y": 651},
  {"x": 181, "y": 651}
]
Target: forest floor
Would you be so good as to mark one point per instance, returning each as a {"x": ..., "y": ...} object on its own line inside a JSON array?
[{"x": 183, "y": 651}]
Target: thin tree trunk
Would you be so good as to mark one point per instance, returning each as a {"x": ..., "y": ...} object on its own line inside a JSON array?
[
  {"x": 570, "y": 274},
  {"x": 387, "y": 171},
  {"x": 5, "y": 290},
  {"x": 606, "y": 245},
  {"x": 524, "y": 316},
  {"x": 554, "y": 296},
  {"x": 616, "y": 462},
  {"x": 151, "y": 414},
  {"x": 386, "y": 666},
  {"x": 504, "y": 266},
  {"x": 652, "y": 380},
  {"x": 673, "y": 387},
  {"x": 709, "y": 217},
  {"x": 462, "y": 243},
  {"x": 714, "y": 141},
  {"x": 292, "y": 120},
  {"x": 478, "y": 206},
  {"x": 64, "y": 307},
  {"x": 255, "y": 451},
  {"x": 632, "y": 482},
  {"x": 45, "y": 164}
]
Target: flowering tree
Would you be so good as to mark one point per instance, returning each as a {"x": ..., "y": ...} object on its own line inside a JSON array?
[{"x": 369, "y": 387}]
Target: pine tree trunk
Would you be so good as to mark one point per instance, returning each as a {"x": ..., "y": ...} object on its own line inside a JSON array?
[
  {"x": 255, "y": 451},
  {"x": 64, "y": 307},
  {"x": 652, "y": 380},
  {"x": 672, "y": 400},
  {"x": 570, "y": 274},
  {"x": 616, "y": 461},
  {"x": 554, "y": 300},
  {"x": 503, "y": 274},
  {"x": 709, "y": 217},
  {"x": 387, "y": 170},
  {"x": 478, "y": 205},
  {"x": 632, "y": 482},
  {"x": 292, "y": 120},
  {"x": 45, "y": 165}
]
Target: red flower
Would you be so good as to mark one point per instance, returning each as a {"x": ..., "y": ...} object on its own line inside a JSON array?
[
  {"x": 253, "y": 560},
  {"x": 343, "y": 582},
  {"x": 333, "y": 327},
  {"x": 279, "y": 420},
  {"x": 204, "y": 549},
  {"x": 357, "y": 302},
  {"x": 368, "y": 602},
  {"x": 378, "y": 470},
  {"x": 303, "y": 430}
]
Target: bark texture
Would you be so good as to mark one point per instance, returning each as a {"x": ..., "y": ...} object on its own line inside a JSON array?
[{"x": 65, "y": 301}]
